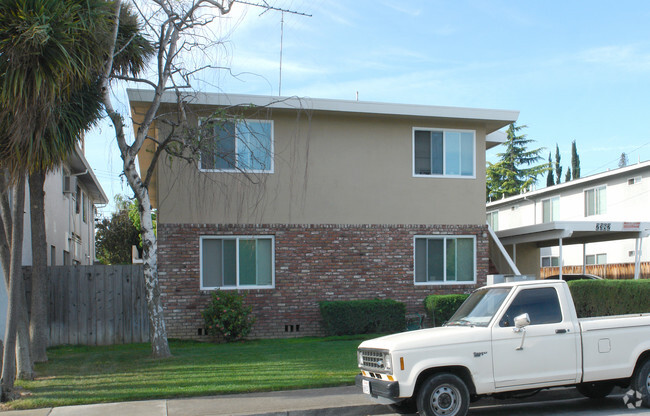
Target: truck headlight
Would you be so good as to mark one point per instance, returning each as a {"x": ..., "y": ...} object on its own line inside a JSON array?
[
  {"x": 359, "y": 358},
  {"x": 388, "y": 363}
]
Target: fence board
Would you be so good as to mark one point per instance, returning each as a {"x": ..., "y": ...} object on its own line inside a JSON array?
[
  {"x": 96, "y": 305},
  {"x": 608, "y": 271}
]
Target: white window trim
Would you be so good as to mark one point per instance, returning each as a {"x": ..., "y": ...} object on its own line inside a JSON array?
[
  {"x": 550, "y": 199},
  {"x": 444, "y": 159},
  {"x": 245, "y": 120},
  {"x": 237, "y": 237},
  {"x": 490, "y": 214},
  {"x": 634, "y": 180},
  {"x": 550, "y": 259},
  {"x": 444, "y": 256},
  {"x": 595, "y": 189}
]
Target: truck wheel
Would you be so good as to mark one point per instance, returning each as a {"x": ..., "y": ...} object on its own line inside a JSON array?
[
  {"x": 405, "y": 407},
  {"x": 443, "y": 395},
  {"x": 641, "y": 382},
  {"x": 596, "y": 390}
]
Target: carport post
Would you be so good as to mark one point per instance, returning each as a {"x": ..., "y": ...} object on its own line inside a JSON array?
[
  {"x": 560, "y": 259},
  {"x": 637, "y": 257}
]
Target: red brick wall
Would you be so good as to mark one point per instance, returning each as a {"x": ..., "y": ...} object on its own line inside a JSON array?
[{"x": 312, "y": 263}]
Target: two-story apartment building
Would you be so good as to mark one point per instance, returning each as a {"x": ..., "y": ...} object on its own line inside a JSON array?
[
  {"x": 71, "y": 193},
  {"x": 619, "y": 197},
  {"x": 297, "y": 201}
]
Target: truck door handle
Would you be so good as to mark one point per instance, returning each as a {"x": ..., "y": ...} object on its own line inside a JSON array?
[{"x": 560, "y": 331}]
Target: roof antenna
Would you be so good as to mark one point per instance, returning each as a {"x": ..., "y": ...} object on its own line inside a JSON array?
[{"x": 266, "y": 8}]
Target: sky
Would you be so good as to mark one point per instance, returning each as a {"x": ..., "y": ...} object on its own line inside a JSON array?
[{"x": 576, "y": 70}]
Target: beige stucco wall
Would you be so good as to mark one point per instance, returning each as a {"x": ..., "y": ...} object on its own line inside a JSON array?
[{"x": 331, "y": 169}]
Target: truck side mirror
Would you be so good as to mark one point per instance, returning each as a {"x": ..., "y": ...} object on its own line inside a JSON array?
[{"x": 522, "y": 321}]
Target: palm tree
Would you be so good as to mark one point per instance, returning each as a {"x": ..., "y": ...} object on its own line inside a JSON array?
[{"x": 52, "y": 54}]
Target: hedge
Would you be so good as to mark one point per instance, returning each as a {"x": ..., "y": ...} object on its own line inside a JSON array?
[
  {"x": 441, "y": 307},
  {"x": 363, "y": 316},
  {"x": 610, "y": 297}
]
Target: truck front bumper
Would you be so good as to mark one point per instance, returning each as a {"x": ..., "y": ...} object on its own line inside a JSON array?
[{"x": 378, "y": 388}]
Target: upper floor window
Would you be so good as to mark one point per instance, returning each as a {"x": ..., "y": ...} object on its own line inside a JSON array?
[
  {"x": 634, "y": 180},
  {"x": 445, "y": 259},
  {"x": 238, "y": 145},
  {"x": 493, "y": 220},
  {"x": 444, "y": 153},
  {"x": 237, "y": 262},
  {"x": 551, "y": 209},
  {"x": 595, "y": 201}
]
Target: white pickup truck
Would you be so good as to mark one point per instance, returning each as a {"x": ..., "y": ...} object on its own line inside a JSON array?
[{"x": 506, "y": 340}]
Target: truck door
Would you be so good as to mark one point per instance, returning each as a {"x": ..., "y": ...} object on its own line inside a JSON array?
[{"x": 550, "y": 351}]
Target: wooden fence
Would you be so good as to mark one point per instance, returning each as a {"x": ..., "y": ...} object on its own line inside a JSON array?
[
  {"x": 97, "y": 305},
  {"x": 608, "y": 271}
]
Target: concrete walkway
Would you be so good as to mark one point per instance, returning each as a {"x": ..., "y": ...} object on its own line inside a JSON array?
[
  {"x": 336, "y": 401},
  {"x": 339, "y": 401}
]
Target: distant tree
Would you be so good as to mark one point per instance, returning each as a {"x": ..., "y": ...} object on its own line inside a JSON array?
[
  {"x": 115, "y": 236},
  {"x": 549, "y": 175},
  {"x": 575, "y": 161},
  {"x": 558, "y": 167},
  {"x": 567, "y": 177},
  {"x": 517, "y": 169},
  {"x": 622, "y": 162}
]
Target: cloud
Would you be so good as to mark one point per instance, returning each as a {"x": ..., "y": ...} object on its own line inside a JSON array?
[{"x": 629, "y": 57}]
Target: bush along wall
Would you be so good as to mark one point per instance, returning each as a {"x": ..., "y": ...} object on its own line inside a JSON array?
[
  {"x": 363, "y": 316},
  {"x": 610, "y": 297},
  {"x": 441, "y": 307}
]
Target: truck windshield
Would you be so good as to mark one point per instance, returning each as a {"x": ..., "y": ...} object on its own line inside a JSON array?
[{"x": 479, "y": 308}]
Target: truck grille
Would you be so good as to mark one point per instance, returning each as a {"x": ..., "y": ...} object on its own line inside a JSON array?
[{"x": 372, "y": 360}]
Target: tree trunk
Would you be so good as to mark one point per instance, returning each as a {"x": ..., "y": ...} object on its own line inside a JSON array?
[
  {"x": 15, "y": 284},
  {"x": 157, "y": 330},
  {"x": 38, "y": 331}
]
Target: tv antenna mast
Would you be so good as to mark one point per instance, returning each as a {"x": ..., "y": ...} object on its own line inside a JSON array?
[{"x": 268, "y": 7}]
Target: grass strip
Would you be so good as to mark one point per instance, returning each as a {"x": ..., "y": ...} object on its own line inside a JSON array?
[{"x": 84, "y": 375}]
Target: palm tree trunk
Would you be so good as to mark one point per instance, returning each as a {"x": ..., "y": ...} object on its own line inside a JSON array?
[
  {"x": 38, "y": 331},
  {"x": 15, "y": 285}
]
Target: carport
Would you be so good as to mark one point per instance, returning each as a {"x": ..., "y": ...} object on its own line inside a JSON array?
[{"x": 560, "y": 233}]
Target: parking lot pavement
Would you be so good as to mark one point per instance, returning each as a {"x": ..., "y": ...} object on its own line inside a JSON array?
[{"x": 561, "y": 402}]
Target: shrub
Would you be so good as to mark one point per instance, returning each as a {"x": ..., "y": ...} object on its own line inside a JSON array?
[
  {"x": 610, "y": 297},
  {"x": 226, "y": 315},
  {"x": 363, "y": 316},
  {"x": 441, "y": 307}
]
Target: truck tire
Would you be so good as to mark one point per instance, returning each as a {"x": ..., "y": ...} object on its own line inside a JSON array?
[
  {"x": 596, "y": 390},
  {"x": 443, "y": 394},
  {"x": 641, "y": 382}
]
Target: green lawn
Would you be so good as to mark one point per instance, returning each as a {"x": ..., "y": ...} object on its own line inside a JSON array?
[{"x": 82, "y": 375}]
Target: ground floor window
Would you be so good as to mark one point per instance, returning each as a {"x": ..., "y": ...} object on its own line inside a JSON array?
[
  {"x": 445, "y": 259},
  {"x": 237, "y": 261},
  {"x": 550, "y": 261},
  {"x": 596, "y": 258}
]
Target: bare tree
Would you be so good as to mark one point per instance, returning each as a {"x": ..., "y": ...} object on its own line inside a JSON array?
[{"x": 171, "y": 25}]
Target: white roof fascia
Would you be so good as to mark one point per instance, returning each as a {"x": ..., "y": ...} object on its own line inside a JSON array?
[
  {"x": 556, "y": 189},
  {"x": 499, "y": 118},
  {"x": 566, "y": 229}
]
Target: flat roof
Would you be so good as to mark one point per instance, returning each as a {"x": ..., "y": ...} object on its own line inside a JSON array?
[
  {"x": 493, "y": 119},
  {"x": 574, "y": 232},
  {"x": 556, "y": 189}
]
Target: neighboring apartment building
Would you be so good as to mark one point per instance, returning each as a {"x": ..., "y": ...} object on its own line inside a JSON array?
[
  {"x": 299, "y": 201},
  {"x": 71, "y": 193},
  {"x": 620, "y": 195}
]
